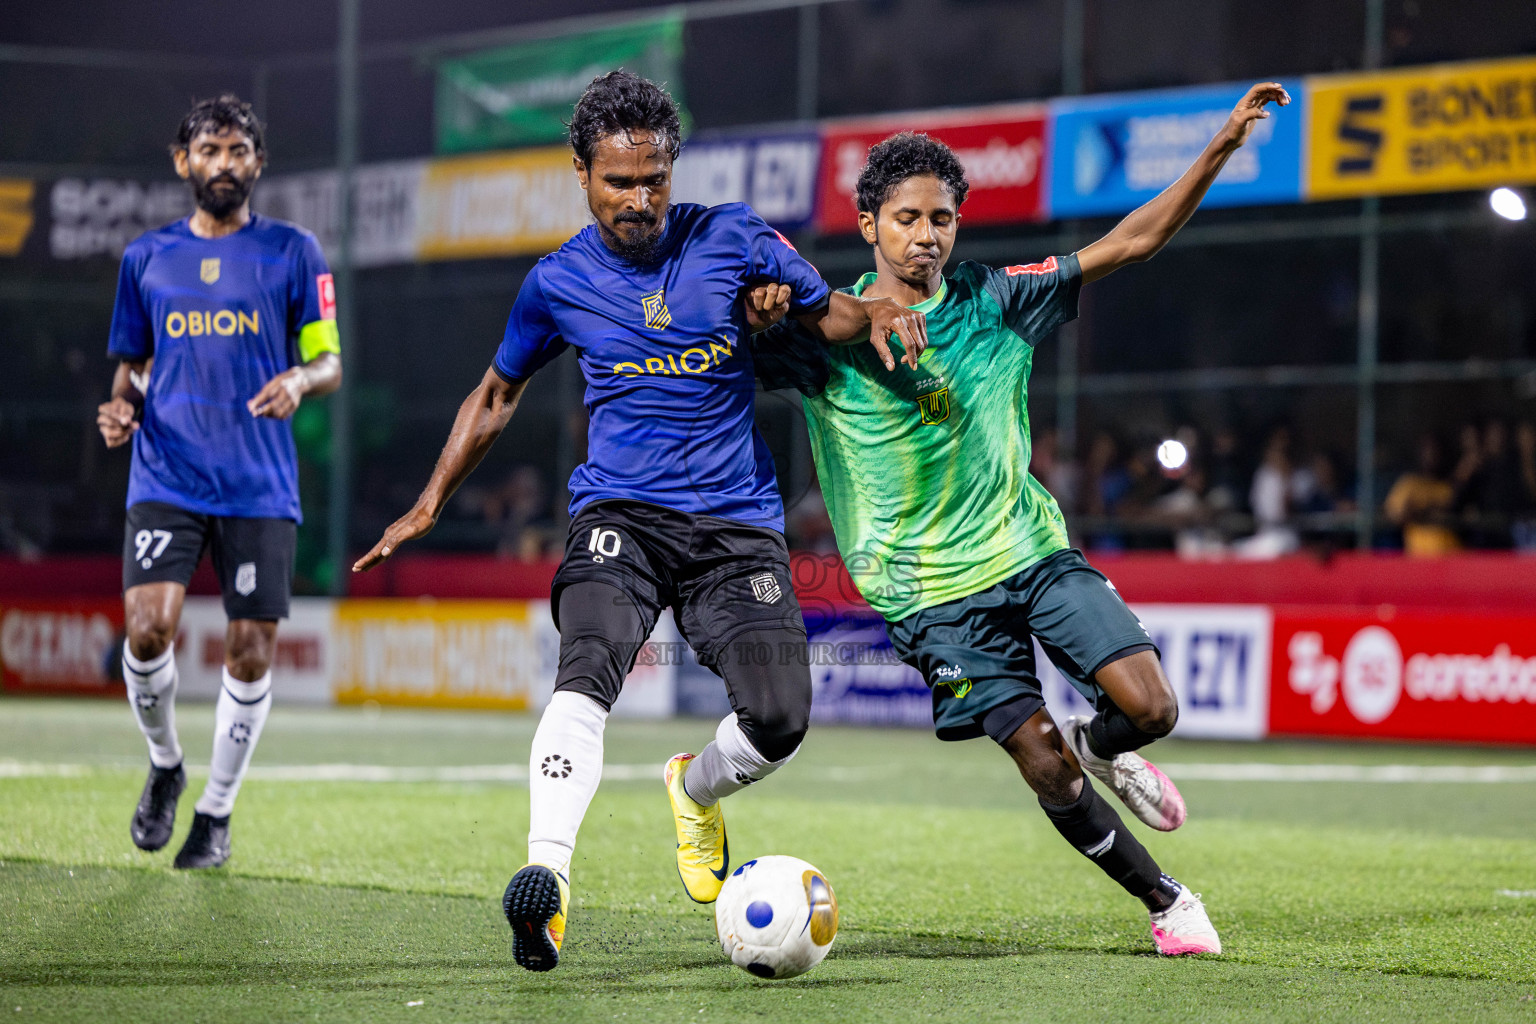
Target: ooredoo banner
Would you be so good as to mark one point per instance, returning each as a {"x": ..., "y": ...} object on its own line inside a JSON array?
[
  {"x": 1001, "y": 148},
  {"x": 1410, "y": 676}
]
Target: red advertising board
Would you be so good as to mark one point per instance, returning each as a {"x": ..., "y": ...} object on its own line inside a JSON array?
[
  {"x": 1404, "y": 675},
  {"x": 60, "y": 645},
  {"x": 1002, "y": 149}
]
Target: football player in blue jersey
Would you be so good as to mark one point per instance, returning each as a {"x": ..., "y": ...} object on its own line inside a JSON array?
[
  {"x": 676, "y": 504},
  {"x": 225, "y": 321}
]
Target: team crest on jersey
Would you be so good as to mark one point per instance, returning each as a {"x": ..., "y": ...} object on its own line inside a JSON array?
[
  {"x": 934, "y": 406},
  {"x": 210, "y": 270},
  {"x": 657, "y": 316}
]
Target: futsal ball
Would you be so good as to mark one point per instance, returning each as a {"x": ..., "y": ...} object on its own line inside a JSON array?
[{"x": 776, "y": 917}]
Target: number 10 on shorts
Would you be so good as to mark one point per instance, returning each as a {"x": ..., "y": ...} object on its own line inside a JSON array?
[
  {"x": 144, "y": 540},
  {"x": 603, "y": 543}
]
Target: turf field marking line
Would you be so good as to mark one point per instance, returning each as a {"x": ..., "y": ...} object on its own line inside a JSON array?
[
  {"x": 1519, "y": 894},
  {"x": 1384, "y": 773}
]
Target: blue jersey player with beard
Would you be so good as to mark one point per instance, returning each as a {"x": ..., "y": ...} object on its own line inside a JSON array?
[
  {"x": 676, "y": 504},
  {"x": 224, "y": 322}
]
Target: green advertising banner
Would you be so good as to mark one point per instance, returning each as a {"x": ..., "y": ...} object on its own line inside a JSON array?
[{"x": 522, "y": 95}]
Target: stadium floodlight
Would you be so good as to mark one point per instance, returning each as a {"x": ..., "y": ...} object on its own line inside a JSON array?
[
  {"x": 1172, "y": 455},
  {"x": 1507, "y": 203}
]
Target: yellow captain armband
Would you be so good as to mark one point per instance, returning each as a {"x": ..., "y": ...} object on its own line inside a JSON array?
[{"x": 318, "y": 337}]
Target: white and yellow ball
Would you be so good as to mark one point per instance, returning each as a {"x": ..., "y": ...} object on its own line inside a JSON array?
[{"x": 776, "y": 917}]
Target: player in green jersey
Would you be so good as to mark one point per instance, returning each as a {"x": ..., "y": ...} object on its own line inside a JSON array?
[{"x": 947, "y": 535}]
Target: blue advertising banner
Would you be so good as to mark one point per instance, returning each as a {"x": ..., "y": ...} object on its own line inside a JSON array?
[
  {"x": 774, "y": 174},
  {"x": 1109, "y": 154}
]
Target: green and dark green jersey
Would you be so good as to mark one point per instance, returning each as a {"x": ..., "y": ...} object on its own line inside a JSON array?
[{"x": 926, "y": 472}]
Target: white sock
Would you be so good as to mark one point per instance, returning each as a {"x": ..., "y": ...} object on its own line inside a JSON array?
[
  {"x": 728, "y": 764},
  {"x": 564, "y": 768},
  {"x": 241, "y": 712},
  {"x": 152, "y": 694}
]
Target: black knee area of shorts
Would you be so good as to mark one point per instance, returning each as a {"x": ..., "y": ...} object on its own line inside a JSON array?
[
  {"x": 1003, "y": 721},
  {"x": 1097, "y": 832},
  {"x": 768, "y": 677},
  {"x": 601, "y": 632}
]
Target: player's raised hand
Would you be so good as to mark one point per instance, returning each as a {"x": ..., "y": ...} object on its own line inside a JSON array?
[
  {"x": 415, "y": 523},
  {"x": 279, "y": 398},
  {"x": 888, "y": 317},
  {"x": 1250, "y": 109},
  {"x": 116, "y": 422},
  {"x": 766, "y": 305}
]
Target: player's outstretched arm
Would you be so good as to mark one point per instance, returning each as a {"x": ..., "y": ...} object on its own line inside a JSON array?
[
  {"x": 480, "y": 421},
  {"x": 847, "y": 320},
  {"x": 117, "y": 418},
  {"x": 279, "y": 398},
  {"x": 1147, "y": 229}
]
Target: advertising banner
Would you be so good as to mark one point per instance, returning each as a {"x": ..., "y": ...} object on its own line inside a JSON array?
[
  {"x": 384, "y": 208},
  {"x": 1001, "y": 148},
  {"x": 16, "y": 215},
  {"x": 61, "y": 646},
  {"x": 1407, "y": 676},
  {"x": 96, "y": 218},
  {"x": 1216, "y": 656},
  {"x": 499, "y": 204},
  {"x": 522, "y": 95},
  {"x": 1430, "y": 129},
  {"x": 774, "y": 174},
  {"x": 302, "y": 662},
  {"x": 1110, "y": 154}
]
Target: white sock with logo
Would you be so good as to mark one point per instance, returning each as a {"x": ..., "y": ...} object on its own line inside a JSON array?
[
  {"x": 564, "y": 768},
  {"x": 152, "y": 694},
  {"x": 730, "y": 763},
  {"x": 241, "y": 712}
]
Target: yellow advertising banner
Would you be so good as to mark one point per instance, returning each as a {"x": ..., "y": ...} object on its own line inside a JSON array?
[
  {"x": 451, "y": 654},
  {"x": 15, "y": 214},
  {"x": 1439, "y": 128},
  {"x": 500, "y": 204}
]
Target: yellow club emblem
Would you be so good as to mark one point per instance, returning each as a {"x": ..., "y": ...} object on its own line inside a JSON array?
[
  {"x": 657, "y": 316},
  {"x": 210, "y": 270},
  {"x": 934, "y": 406}
]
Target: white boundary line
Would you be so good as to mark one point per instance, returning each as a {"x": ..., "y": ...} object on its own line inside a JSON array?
[{"x": 1253, "y": 772}]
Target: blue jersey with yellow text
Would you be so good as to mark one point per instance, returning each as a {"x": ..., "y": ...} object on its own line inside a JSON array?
[
  {"x": 662, "y": 347},
  {"x": 220, "y": 317}
]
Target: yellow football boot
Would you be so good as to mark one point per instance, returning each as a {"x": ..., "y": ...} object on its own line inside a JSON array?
[
  {"x": 703, "y": 857},
  {"x": 536, "y": 902}
]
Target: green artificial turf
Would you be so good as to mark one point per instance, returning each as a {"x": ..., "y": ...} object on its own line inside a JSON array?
[{"x": 352, "y": 901}]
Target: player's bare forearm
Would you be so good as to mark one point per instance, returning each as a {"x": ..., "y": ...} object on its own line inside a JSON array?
[
  {"x": 279, "y": 398},
  {"x": 1145, "y": 230},
  {"x": 117, "y": 418},
  {"x": 848, "y": 320},
  {"x": 321, "y": 375},
  {"x": 481, "y": 419}
]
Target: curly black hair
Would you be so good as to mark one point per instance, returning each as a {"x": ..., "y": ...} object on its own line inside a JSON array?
[
  {"x": 904, "y": 156},
  {"x": 217, "y": 115},
  {"x": 624, "y": 102}
]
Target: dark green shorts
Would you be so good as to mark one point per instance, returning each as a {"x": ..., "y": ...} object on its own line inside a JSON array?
[{"x": 976, "y": 653}]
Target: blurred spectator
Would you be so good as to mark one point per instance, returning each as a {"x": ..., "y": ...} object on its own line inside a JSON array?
[
  {"x": 1421, "y": 501},
  {"x": 1273, "y": 491},
  {"x": 1491, "y": 495},
  {"x": 1524, "y": 530},
  {"x": 1187, "y": 512},
  {"x": 518, "y": 511},
  {"x": 1057, "y": 475},
  {"x": 1226, "y": 473},
  {"x": 809, "y": 526},
  {"x": 1106, "y": 483}
]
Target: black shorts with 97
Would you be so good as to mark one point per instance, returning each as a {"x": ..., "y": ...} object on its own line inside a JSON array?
[{"x": 252, "y": 557}]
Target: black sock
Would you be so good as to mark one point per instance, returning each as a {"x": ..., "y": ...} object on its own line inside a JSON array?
[
  {"x": 1111, "y": 732},
  {"x": 1096, "y": 831}
]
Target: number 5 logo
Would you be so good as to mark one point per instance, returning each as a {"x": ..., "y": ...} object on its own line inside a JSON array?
[
  {"x": 603, "y": 543},
  {"x": 144, "y": 539}
]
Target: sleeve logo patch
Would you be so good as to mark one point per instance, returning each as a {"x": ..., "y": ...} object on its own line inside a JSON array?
[
  {"x": 1050, "y": 266},
  {"x": 325, "y": 284}
]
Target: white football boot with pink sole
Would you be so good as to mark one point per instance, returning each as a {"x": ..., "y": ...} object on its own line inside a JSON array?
[
  {"x": 1185, "y": 928},
  {"x": 1138, "y": 783}
]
